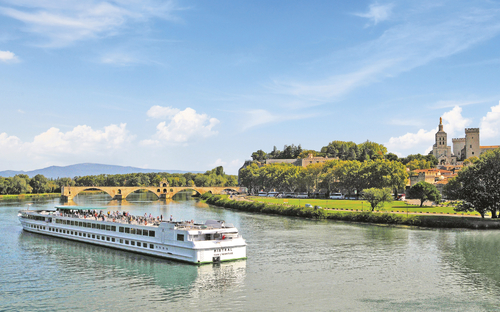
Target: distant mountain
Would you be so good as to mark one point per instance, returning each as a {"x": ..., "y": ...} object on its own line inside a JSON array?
[{"x": 83, "y": 170}]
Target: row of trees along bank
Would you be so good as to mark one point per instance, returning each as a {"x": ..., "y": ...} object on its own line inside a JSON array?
[
  {"x": 348, "y": 176},
  {"x": 23, "y": 184},
  {"x": 367, "y": 217}
]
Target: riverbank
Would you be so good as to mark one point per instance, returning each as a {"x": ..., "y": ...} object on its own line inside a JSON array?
[
  {"x": 29, "y": 196},
  {"x": 362, "y": 205},
  {"x": 353, "y": 216}
]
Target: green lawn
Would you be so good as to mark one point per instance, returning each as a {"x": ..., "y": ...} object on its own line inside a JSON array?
[
  {"x": 360, "y": 205},
  {"x": 24, "y": 196}
]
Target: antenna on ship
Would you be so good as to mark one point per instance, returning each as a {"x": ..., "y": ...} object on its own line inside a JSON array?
[{"x": 28, "y": 206}]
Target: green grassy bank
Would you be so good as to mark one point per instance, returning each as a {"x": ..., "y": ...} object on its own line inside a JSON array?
[
  {"x": 29, "y": 196},
  {"x": 352, "y": 216},
  {"x": 361, "y": 205}
]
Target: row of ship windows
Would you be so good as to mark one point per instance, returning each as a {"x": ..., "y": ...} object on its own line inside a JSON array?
[
  {"x": 93, "y": 236},
  {"x": 107, "y": 227},
  {"x": 127, "y": 230},
  {"x": 34, "y": 217}
]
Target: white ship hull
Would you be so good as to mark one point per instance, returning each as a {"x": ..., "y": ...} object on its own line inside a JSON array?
[{"x": 168, "y": 240}]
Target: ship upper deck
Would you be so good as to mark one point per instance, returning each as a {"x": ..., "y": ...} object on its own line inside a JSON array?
[{"x": 116, "y": 217}]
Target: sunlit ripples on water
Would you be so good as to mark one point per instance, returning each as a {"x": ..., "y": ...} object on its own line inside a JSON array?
[{"x": 293, "y": 265}]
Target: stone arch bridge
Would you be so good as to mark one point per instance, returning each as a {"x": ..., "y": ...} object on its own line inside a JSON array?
[{"x": 121, "y": 192}]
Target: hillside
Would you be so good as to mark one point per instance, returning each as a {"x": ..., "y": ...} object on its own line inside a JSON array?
[{"x": 83, "y": 170}]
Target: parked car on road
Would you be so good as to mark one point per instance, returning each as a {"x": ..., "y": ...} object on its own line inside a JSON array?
[
  {"x": 302, "y": 195},
  {"x": 336, "y": 196}
]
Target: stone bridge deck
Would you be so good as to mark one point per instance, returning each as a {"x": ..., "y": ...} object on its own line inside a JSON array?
[{"x": 121, "y": 192}]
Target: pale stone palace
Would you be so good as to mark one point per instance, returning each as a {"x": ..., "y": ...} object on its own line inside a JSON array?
[{"x": 463, "y": 148}]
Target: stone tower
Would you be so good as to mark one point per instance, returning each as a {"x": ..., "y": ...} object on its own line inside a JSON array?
[
  {"x": 441, "y": 136},
  {"x": 458, "y": 146},
  {"x": 472, "y": 147},
  {"x": 440, "y": 149}
]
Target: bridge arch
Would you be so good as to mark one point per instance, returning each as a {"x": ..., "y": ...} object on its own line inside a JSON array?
[
  {"x": 91, "y": 188},
  {"x": 173, "y": 192},
  {"x": 132, "y": 190},
  {"x": 230, "y": 188}
]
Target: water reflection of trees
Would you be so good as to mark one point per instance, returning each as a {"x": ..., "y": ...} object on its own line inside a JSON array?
[{"x": 475, "y": 255}]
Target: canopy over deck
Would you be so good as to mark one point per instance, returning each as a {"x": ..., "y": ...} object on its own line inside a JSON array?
[{"x": 79, "y": 208}]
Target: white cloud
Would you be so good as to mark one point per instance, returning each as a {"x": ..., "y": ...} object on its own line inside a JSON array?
[
  {"x": 162, "y": 112},
  {"x": 7, "y": 56},
  {"x": 82, "y": 143},
  {"x": 490, "y": 124},
  {"x": 82, "y": 139},
  {"x": 64, "y": 22},
  {"x": 453, "y": 124},
  {"x": 8, "y": 142},
  {"x": 149, "y": 142},
  {"x": 377, "y": 12},
  {"x": 410, "y": 140},
  {"x": 182, "y": 127}
]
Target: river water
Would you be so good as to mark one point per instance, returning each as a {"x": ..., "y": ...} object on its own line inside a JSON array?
[{"x": 293, "y": 265}]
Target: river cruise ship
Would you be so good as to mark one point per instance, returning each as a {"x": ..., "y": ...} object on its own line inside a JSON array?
[{"x": 187, "y": 241}]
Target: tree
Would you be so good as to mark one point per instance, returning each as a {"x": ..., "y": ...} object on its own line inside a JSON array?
[
  {"x": 377, "y": 196},
  {"x": 471, "y": 160},
  {"x": 452, "y": 189},
  {"x": 249, "y": 178},
  {"x": 330, "y": 180},
  {"x": 391, "y": 156},
  {"x": 4, "y": 185},
  {"x": 419, "y": 164},
  {"x": 19, "y": 184},
  {"x": 311, "y": 176},
  {"x": 352, "y": 175},
  {"x": 305, "y": 153},
  {"x": 479, "y": 185},
  {"x": 219, "y": 171},
  {"x": 424, "y": 191},
  {"x": 375, "y": 150},
  {"x": 39, "y": 184},
  {"x": 384, "y": 173},
  {"x": 259, "y": 155},
  {"x": 429, "y": 158}
]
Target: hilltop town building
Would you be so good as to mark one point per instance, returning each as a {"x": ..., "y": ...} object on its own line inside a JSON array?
[
  {"x": 440, "y": 149},
  {"x": 463, "y": 148}
]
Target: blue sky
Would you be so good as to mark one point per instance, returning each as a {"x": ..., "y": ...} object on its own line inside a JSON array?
[{"x": 190, "y": 85}]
